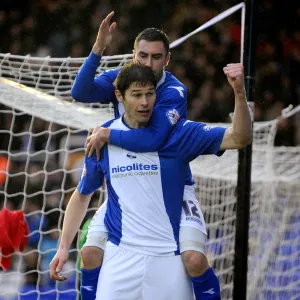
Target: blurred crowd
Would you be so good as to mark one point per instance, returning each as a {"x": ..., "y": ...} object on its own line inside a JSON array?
[{"x": 62, "y": 28}]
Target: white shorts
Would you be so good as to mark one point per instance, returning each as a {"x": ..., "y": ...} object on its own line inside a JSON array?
[
  {"x": 192, "y": 234},
  {"x": 97, "y": 233},
  {"x": 130, "y": 275}
]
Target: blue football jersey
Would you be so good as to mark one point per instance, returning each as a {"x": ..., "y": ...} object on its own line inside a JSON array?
[
  {"x": 169, "y": 108},
  {"x": 145, "y": 190}
]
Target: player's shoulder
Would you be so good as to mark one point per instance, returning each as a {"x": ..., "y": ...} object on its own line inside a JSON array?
[
  {"x": 117, "y": 123},
  {"x": 183, "y": 132},
  {"x": 109, "y": 123},
  {"x": 111, "y": 73},
  {"x": 178, "y": 134},
  {"x": 171, "y": 80},
  {"x": 172, "y": 86},
  {"x": 185, "y": 125},
  {"x": 188, "y": 123},
  {"x": 193, "y": 124}
]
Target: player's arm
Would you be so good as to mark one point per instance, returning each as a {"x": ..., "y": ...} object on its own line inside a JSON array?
[
  {"x": 192, "y": 139},
  {"x": 166, "y": 113},
  {"x": 239, "y": 134},
  {"x": 164, "y": 117},
  {"x": 91, "y": 180},
  {"x": 86, "y": 88},
  {"x": 75, "y": 212}
]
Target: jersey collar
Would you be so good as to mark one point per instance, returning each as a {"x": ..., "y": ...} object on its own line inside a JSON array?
[
  {"x": 162, "y": 79},
  {"x": 124, "y": 123}
]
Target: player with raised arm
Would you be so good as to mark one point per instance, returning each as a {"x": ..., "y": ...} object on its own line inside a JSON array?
[
  {"x": 151, "y": 48},
  {"x": 145, "y": 193}
]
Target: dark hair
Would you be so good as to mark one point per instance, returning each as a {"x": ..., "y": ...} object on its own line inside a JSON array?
[
  {"x": 134, "y": 72},
  {"x": 153, "y": 35}
]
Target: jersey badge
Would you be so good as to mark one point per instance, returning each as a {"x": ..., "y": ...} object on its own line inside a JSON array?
[
  {"x": 131, "y": 155},
  {"x": 173, "y": 116}
]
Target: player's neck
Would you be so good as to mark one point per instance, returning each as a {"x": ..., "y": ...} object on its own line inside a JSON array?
[
  {"x": 159, "y": 76},
  {"x": 132, "y": 123}
]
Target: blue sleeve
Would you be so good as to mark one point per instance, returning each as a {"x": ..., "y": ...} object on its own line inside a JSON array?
[
  {"x": 170, "y": 108},
  {"x": 194, "y": 139},
  {"x": 91, "y": 177},
  {"x": 86, "y": 88}
]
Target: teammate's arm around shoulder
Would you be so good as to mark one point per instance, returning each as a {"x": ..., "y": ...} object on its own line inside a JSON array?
[
  {"x": 170, "y": 108},
  {"x": 86, "y": 88},
  {"x": 239, "y": 134}
]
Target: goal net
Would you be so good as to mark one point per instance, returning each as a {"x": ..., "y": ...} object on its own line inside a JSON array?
[
  {"x": 274, "y": 239},
  {"x": 45, "y": 157},
  {"x": 42, "y": 148}
]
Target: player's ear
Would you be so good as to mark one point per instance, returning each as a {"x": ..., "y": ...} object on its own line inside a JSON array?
[
  {"x": 119, "y": 96},
  {"x": 133, "y": 52},
  {"x": 168, "y": 57}
]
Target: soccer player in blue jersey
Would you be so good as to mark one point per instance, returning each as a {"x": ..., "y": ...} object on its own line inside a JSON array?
[
  {"x": 145, "y": 192},
  {"x": 152, "y": 49}
]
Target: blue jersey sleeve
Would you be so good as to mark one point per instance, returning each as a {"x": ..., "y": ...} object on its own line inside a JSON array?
[
  {"x": 194, "y": 139},
  {"x": 86, "y": 88},
  {"x": 169, "y": 109},
  {"x": 92, "y": 176}
]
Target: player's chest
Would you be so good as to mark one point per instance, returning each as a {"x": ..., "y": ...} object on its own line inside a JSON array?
[{"x": 124, "y": 164}]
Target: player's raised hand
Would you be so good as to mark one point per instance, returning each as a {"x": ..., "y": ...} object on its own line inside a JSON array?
[
  {"x": 96, "y": 141},
  {"x": 57, "y": 263},
  {"x": 105, "y": 34},
  {"x": 235, "y": 76}
]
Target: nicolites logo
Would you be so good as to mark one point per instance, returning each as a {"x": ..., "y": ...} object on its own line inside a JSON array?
[{"x": 134, "y": 167}]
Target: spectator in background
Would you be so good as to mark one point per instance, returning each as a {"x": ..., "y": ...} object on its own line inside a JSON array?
[{"x": 74, "y": 25}]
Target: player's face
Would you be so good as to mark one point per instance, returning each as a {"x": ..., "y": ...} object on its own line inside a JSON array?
[
  {"x": 152, "y": 54},
  {"x": 138, "y": 104}
]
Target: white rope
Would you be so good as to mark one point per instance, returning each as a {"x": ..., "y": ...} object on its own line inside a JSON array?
[
  {"x": 243, "y": 33},
  {"x": 211, "y": 22},
  {"x": 288, "y": 111}
]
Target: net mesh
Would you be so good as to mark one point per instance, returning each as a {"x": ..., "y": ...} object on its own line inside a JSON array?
[
  {"x": 43, "y": 173},
  {"x": 43, "y": 135},
  {"x": 274, "y": 239}
]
